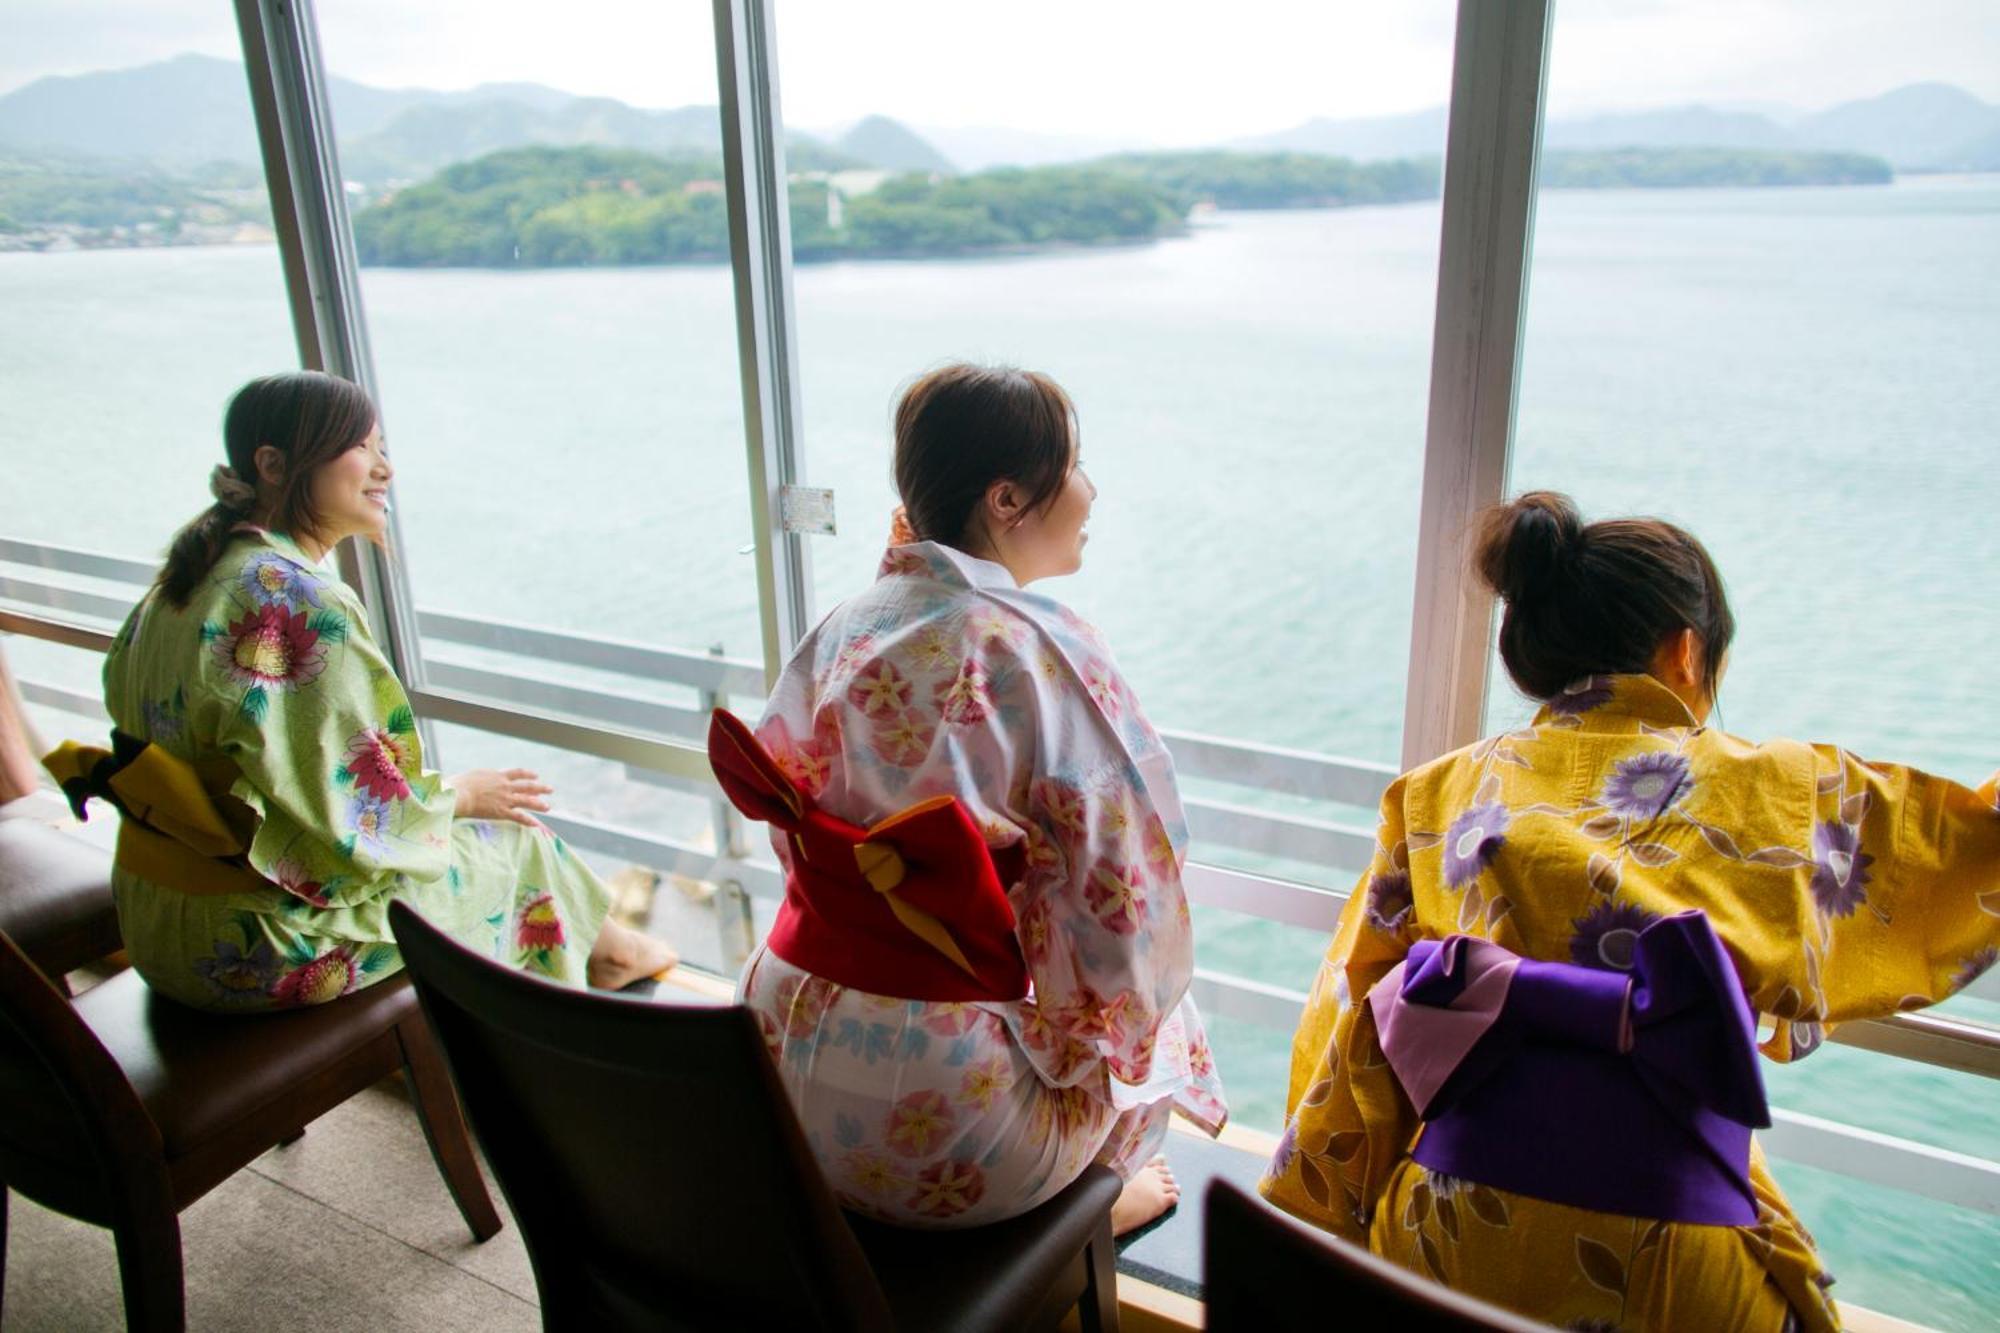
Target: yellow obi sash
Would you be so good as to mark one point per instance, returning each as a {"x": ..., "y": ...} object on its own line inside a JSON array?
[{"x": 181, "y": 829}]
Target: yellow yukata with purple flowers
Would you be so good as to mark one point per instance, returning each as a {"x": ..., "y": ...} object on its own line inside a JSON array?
[
  {"x": 271, "y": 665},
  {"x": 946, "y": 678},
  {"x": 1841, "y": 889}
]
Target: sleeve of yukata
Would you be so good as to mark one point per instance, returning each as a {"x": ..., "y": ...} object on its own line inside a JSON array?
[
  {"x": 1901, "y": 883},
  {"x": 1348, "y": 1121},
  {"x": 1103, "y": 918},
  {"x": 331, "y": 757}
]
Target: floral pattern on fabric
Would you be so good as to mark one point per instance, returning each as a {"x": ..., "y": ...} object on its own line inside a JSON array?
[
  {"x": 946, "y": 678},
  {"x": 238, "y": 974},
  {"x": 271, "y": 648},
  {"x": 273, "y": 579},
  {"x": 270, "y": 666},
  {"x": 1616, "y": 808}
]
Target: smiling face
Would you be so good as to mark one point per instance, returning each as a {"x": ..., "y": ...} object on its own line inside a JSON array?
[
  {"x": 350, "y": 492},
  {"x": 1049, "y": 541}
]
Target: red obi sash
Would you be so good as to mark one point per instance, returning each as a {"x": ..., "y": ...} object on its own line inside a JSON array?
[{"x": 914, "y": 906}]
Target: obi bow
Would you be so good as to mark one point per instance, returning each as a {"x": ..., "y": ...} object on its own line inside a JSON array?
[
  {"x": 180, "y": 827},
  {"x": 1630, "y": 1092},
  {"x": 913, "y": 906}
]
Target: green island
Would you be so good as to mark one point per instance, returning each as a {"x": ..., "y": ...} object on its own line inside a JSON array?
[
  {"x": 542, "y": 207},
  {"x": 93, "y": 205}
]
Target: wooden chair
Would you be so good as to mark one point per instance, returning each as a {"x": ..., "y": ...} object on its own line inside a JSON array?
[
  {"x": 55, "y": 898},
  {"x": 661, "y": 1180},
  {"x": 1262, "y": 1272},
  {"x": 123, "y": 1108}
]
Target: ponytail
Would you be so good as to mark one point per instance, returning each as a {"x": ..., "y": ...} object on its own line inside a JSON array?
[{"x": 197, "y": 546}]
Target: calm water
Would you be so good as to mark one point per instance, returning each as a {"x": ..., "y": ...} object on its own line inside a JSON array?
[{"x": 1804, "y": 377}]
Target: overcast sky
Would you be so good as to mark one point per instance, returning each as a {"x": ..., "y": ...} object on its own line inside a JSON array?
[{"x": 1156, "y": 70}]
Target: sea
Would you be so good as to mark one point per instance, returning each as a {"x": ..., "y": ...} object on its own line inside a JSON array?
[{"x": 1805, "y": 378}]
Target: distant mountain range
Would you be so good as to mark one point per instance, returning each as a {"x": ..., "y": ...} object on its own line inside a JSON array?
[
  {"x": 1921, "y": 127},
  {"x": 192, "y": 110}
]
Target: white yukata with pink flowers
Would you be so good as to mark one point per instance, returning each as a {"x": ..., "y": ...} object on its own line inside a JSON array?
[{"x": 946, "y": 678}]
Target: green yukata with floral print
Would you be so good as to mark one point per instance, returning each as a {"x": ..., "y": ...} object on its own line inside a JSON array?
[{"x": 272, "y": 665}]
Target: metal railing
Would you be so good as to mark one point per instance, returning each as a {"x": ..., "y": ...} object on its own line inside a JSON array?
[{"x": 660, "y": 741}]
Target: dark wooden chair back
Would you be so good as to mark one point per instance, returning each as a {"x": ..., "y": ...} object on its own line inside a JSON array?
[
  {"x": 1262, "y": 1272},
  {"x": 121, "y": 1108},
  {"x": 650, "y": 1155},
  {"x": 72, "y": 1128}
]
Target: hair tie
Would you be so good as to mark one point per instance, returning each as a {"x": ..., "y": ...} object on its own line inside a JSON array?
[{"x": 235, "y": 495}]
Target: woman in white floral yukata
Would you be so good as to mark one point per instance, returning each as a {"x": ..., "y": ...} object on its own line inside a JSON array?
[
  {"x": 946, "y": 678},
  {"x": 269, "y": 769}
]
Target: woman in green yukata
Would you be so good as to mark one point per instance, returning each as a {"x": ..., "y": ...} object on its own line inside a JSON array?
[{"x": 251, "y": 664}]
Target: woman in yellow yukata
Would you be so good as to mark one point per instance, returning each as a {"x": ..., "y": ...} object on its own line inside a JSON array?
[
  {"x": 970, "y": 1074},
  {"x": 269, "y": 771},
  {"x": 1558, "y": 1173}
]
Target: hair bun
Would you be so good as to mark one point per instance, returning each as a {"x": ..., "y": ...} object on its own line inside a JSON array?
[
  {"x": 1527, "y": 543},
  {"x": 230, "y": 490}
]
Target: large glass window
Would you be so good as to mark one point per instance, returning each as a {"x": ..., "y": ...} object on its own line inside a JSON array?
[
  {"x": 1223, "y": 242},
  {"x": 1762, "y": 307},
  {"x": 544, "y": 252},
  {"x": 544, "y": 267},
  {"x": 140, "y": 285}
]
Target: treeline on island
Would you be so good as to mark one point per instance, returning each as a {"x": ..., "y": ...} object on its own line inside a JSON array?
[
  {"x": 540, "y": 207},
  {"x": 546, "y": 207},
  {"x": 1697, "y": 168}
]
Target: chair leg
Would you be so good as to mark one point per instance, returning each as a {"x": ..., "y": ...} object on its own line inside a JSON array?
[
  {"x": 1097, "y": 1308},
  {"x": 444, "y": 1128},
  {"x": 292, "y": 1137},
  {"x": 149, "y": 1270}
]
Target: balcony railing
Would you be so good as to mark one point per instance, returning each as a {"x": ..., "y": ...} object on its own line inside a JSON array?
[{"x": 493, "y": 675}]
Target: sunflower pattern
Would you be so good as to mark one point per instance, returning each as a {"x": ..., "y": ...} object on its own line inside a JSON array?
[
  {"x": 946, "y": 678},
  {"x": 271, "y": 665},
  {"x": 1561, "y": 841}
]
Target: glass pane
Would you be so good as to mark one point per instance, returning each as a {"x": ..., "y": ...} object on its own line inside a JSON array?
[
  {"x": 1246, "y": 337},
  {"x": 1762, "y": 307},
  {"x": 139, "y": 278},
  {"x": 544, "y": 252}
]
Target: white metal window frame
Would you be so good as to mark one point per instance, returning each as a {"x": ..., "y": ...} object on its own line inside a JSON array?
[{"x": 1498, "y": 81}]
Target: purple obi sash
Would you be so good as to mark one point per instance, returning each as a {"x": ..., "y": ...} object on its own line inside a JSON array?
[{"x": 1630, "y": 1093}]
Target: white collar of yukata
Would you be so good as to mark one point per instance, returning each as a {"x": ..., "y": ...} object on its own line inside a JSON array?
[
  {"x": 1637, "y": 697},
  {"x": 947, "y": 561}
]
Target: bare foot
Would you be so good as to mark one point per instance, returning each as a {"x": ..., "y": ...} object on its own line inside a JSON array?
[
  {"x": 1145, "y": 1196},
  {"x": 622, "y": 955}
]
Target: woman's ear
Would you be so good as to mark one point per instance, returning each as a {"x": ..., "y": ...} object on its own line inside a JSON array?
[
  {"x": 1003, "y": 505},
  {"x": 1681, "y": 654},
  {"x": 270, "y": 465}
]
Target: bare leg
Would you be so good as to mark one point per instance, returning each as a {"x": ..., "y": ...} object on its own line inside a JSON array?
[
  {"x": 1151, "y": 1191},
  {"x": 622, "y": 955},
  {"x": 19, "y": 771}
]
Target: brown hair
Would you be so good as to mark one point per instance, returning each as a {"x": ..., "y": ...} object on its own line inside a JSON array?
[
  {"x": 308, "y": 417},
  {"x": 1584, "y": 599},
  {"x": 962, "y": 427}
]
